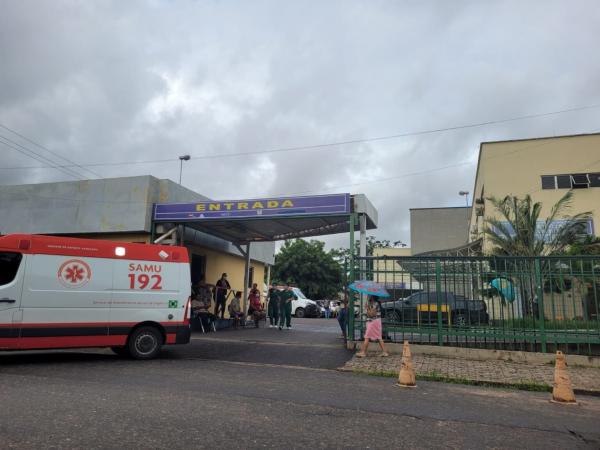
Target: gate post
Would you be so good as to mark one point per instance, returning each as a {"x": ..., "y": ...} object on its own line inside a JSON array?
[
  {"x": 350, "y": 304},
  {"x": 438, "y": 291},
  {"x": 540, "y": 295},
  {"x": 246, "y": 276}
]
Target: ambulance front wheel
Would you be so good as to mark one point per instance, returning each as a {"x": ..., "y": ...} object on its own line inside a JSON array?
[{"x": 145, "y": 343}]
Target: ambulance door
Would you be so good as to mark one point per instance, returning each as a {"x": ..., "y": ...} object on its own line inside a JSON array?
[
  {"x": 144, "y": 291},
  {"x": 66, "y": 301},
  {"x": 12, "y": 268}
]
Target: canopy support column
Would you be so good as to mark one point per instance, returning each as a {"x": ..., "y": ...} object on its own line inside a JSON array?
[
  {"x": 362, "y": 220},
  {"x": 363, "y": 244},
  {"x": 246, "y": 254},
  {"x": 352, "y": 275},
  {"x": 268, "y": 276}
]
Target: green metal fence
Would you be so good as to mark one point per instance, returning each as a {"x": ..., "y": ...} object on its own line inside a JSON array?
[{"x": 513, "y": 303}]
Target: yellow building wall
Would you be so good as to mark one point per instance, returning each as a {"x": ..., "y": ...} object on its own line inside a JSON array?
[
  {"x": 389, "y": 271},
  {"x": 218, "y": 263},
  {"x": 516, "y": 167}
]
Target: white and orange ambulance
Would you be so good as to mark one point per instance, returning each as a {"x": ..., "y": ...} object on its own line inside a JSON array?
[{"x": 60, "y": 292}]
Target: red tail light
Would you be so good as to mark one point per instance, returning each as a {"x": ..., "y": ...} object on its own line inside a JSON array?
[{"x": 188, "y": 312}]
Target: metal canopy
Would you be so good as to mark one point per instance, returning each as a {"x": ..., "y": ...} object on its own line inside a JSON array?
[
  {"x": 271, "y": 219},
  {"x": 242, "y": 222}
]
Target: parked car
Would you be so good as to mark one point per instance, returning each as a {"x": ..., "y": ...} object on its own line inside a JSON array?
[
  {"x": 422, "y": 307},
  {"x": 304, "y": 307}
]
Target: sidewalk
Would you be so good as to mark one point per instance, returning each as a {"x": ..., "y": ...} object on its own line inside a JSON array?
[{"x": 526, "y": 376}]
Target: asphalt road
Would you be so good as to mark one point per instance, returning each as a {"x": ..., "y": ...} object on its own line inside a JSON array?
[{"x": 264, "y": 389}]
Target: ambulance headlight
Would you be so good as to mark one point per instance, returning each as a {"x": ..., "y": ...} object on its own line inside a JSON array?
[{"x": 120, "y": 251}]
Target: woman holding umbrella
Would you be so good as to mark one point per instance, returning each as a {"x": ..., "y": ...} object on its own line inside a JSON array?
[{"x": 374, "y": 328}]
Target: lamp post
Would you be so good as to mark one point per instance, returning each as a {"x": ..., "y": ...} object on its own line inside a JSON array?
[
  {"x": 466, "y": 194},
  {"x": 181, "y": 160}
]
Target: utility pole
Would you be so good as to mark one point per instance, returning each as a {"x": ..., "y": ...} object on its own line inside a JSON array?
[
  {"x": 466, "y": 194},
  {"x": 181, "y": 160}
]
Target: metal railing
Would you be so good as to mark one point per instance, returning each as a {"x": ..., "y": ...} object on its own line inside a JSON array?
[{"x": 514, "y": 303}]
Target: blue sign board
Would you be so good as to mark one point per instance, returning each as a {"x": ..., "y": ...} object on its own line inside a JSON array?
[{"x": 316, "y": 205}]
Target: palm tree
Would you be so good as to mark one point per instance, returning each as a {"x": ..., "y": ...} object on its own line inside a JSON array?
[{"x": 519, "y": 232}]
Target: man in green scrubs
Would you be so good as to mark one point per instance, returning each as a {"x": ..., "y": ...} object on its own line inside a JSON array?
[{"x": 285, "y": 307}]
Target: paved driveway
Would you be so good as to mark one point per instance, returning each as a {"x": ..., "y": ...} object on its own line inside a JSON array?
[
  {"x": 264, "y": 389},
  {"x": 314, "y": 343}
]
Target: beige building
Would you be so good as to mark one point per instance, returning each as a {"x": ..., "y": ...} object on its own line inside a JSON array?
[
  {"x": 433, "y": 229},
  {"x": 545, "y": 168},
  {"x": 397, "y": 280}
]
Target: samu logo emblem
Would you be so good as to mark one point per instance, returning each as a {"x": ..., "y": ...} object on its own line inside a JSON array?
[{"x": 74, "y": 273}]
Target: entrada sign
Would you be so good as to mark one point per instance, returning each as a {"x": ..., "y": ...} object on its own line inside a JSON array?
[
  {"x": 239, "y": 206},
  {"x": 333, "y": 204}
]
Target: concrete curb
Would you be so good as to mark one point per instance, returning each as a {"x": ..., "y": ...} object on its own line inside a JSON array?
[
  {"x": 468, "y": 382},
  {"x": 476, "y": 354}
]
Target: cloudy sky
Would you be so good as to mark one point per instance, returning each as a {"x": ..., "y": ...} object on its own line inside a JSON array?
[{"x": 118, "y": 83}]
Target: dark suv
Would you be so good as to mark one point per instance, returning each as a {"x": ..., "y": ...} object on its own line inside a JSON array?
[{"x": 422, "y": 308}]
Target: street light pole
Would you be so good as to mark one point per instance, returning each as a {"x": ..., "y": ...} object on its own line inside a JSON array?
[
  {"x": 466, "y": 194},
  {"x": 181, "y": 160}
]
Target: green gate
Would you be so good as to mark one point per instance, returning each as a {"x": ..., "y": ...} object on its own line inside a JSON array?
[{"x": 514, "y": 303}]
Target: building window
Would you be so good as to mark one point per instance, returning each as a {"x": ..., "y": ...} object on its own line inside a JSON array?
[
  {"x": 580, "y": 181},
  {"x": 571, "y": 181},
  {"x": 563, "y": 182},
  {"x": 548, "y": 182}
]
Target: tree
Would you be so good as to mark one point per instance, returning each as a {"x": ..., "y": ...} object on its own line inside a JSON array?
[
  {"x": 519, "y": 232},
  {"x": 307, "y": 265},
  {"x": 342, "y": 253},
  {"x": 589, "y": 246}
]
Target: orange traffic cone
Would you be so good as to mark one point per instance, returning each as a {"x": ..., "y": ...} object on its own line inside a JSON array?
[
  {"x": 406, "y": 377},
  {"x": 562, "y": 391}
]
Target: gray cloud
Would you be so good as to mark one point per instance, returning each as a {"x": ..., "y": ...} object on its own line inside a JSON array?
[{"x": 121, "y": 81}]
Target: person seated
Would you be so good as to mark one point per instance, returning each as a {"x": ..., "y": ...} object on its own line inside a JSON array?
[
  {"x": 235, "y": 310},
  {"x": 201, "y": 305},
  {"x": 256, "y": 309}
]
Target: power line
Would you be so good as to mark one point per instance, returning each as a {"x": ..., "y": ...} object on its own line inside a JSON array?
[
  {"x": 49, "y": 151},
  {"x": 325, "y": 145},
  {"x": 378, "y": 180},
  {"x": 382, "y": 180},
  {"x": 33, "y": 155}
]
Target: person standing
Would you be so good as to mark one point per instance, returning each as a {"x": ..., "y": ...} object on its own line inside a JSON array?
[
  {"x": 256, "y": 308},
  {"x": 273, "y": 308},
  {"x": 285, "y": 307},
  {"x": 374, "y": 329},
  {"x": 327, "y": 308},
  {"x": 342, "y": 317},
  {"x": 222, "y": 287}
]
